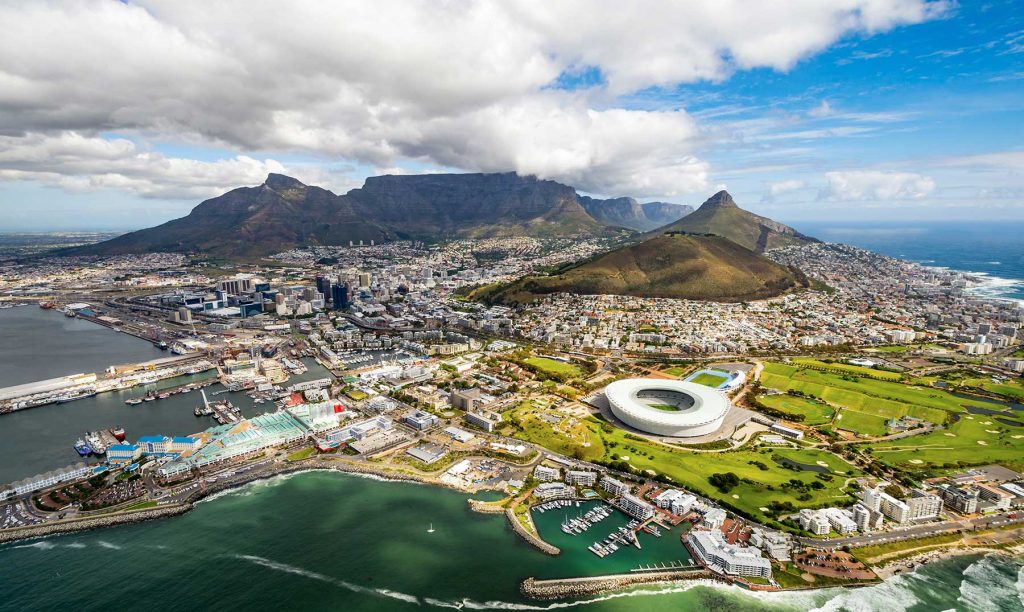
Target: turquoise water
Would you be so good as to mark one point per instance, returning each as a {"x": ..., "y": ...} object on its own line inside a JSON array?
[{"x": 332, "y": 541}]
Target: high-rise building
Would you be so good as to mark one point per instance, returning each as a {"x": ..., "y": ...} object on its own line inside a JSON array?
[
  {"x": 923, "y": 505},
  {"x": 323, "y": 285},
  {"x": 364, "y": 279},
  {"x": 339, "y": 297}
]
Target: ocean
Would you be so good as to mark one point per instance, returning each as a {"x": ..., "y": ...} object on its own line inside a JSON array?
[
  {"x": 992, "y": 250},
  {"x": 325, "y": 540}
]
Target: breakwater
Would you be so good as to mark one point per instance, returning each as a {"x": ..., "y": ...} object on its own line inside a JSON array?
[
  {"x": 562, "y": 588},
  {"x": 86, "y": 524},
  {"x": 530, "y": 538}
]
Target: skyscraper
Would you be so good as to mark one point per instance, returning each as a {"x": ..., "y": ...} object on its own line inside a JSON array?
[{"x": 339, "y": 296}]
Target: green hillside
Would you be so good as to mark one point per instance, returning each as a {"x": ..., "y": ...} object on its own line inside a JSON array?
[{"x": 669, "y": 265}]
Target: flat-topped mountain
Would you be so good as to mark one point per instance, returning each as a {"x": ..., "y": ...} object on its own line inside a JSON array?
[
  {"x": 628, "y": 213},
  {"x": 668, "y": 265},
  {"x": 283, "y": 213},
  {"x": 721, "y": 216}
]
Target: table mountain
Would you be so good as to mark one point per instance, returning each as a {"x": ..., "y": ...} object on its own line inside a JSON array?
[{"x": 283, "y": 213}]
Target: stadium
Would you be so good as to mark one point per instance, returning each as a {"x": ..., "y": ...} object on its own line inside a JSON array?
[{"x": 667, "y": 407}]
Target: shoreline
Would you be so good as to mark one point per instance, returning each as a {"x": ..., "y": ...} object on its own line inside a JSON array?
[
  {"x": 549, "y": 589},
  {"x": 915, "y": 562}
]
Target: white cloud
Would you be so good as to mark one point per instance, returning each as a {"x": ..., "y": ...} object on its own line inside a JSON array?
[
  {"x": 460, "y": 85},
  {"x": 78, "y": 163},
  {"x": 779, "y": 187},
  {"x": 876, "y": 185}
]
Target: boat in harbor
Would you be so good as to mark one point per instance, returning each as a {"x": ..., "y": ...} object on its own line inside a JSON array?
[
  {"x": 83, "y": 447},
  {"x": 161, "y": 345},
  {"x": 135, "y": 401},
  {"x": 118, "y": 433}
]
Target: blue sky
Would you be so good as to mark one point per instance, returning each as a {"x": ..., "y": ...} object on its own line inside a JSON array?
[{"x": 134, "y": 112}]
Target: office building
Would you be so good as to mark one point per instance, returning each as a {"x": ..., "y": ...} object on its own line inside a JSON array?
[{"x": 484, "y": 419}]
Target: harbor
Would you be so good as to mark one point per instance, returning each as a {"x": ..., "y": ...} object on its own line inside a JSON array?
[{"x": 596, "y": 538}]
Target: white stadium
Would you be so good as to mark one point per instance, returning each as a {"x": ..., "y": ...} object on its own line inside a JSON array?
[{"x": 667, "y": 407}]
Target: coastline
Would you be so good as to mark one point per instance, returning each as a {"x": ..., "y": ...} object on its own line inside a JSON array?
[{"x": 916, "y": 562}]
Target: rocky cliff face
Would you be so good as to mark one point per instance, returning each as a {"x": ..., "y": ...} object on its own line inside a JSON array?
[{"x": 628, "y": 213}]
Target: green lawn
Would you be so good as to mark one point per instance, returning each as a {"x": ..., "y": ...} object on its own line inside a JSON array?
[
  {"x": 675, "y": 371},
  {"x": 553, "y": 366},
  {"x": 709, "y": 380},
  {"x": 814, "y": 412},
  {"x": 665, "y": 407},
  {"x": 975, "y": 439},
  {"x": 593, "y": 439},
  {"x": 852, "y": 369},
  {"x": 1011, "y": 388},
  {"x": 860, "y": 422},
  {"x": 301, "y": 454},
  {"x": 867, "y": 395}
]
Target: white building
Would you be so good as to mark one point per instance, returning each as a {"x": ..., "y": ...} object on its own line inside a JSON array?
[
  {"x": 862, "y": 517},
  {"x": 675, "y": 501},
  {"x": 47, "y": 479},
  {"x": 923, "y": 505},
  {"x": 815, "y": 522},
  {"x": 613, "y": 486},
  {"x": 841, "y": 520},
  {"x": 580, "y": 477},
  {"x": 636, "y": 507},
  {"x": 711, "y": 549},
  {"x": 546, "y": 474},
  {"x": 714, "y": 518}
]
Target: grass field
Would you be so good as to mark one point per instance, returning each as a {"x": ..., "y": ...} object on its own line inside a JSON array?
[
  {"x": 871, "y": 396},
  {"x": 665, "y": 407},
  {"x": 675, "y": 371},
  {"x": 593, "y": 439},
  {"x": 1011, "y": 388},
  {"x": 848, "y": 368},
  {"x": 868, "y": 554},
  {"x": 709, "y": 380},
  {"x": 975, "y": 439},
  {"x": 859, "y": 422},
  {"x": 553, "y": 366},
  {"x": 814, "y": 412}
]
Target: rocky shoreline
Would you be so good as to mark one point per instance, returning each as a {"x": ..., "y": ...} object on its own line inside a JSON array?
[{"x": 910, "y": 564}]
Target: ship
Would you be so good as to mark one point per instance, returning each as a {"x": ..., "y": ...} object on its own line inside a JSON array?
[
  {"x": 118, "y": 433},
  {"x": 96, "y": 443},
  {"x": 47, "y": 305},
  {"x": 83, "y": 447},
  {"x": 135, "y": 401},
  {"x": 179, "y": 349},
  {"x": 160, "y": 345}
]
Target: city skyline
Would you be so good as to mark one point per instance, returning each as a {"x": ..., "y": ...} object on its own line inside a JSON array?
[{"x": 131, "y": 114}]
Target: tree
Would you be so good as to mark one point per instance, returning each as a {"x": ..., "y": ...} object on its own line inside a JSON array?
[{"x": 724, "y": 482}]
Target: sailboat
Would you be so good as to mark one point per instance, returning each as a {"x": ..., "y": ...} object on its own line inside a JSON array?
[{"x": 431, "y": 530}]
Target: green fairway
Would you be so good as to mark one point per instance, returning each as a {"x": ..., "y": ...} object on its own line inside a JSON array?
[
  {"x": 1010, "y": 388},
  {"x": 814, "y": 412},
  {"x": 975, "y": 439},
  {"x": 868, "y": 395},
  {"x": 860, "y": 422},
  {"x": 848, "y": 368},
  {"x": 709, "y": 380},
  {"x": 594, "y": 439},
  {"x": 553, "y": 366}
]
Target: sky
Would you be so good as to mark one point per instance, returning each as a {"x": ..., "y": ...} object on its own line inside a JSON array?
[{"x": 121, "y": 115}]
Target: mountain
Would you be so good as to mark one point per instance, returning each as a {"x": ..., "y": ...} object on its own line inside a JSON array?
[
  {"x": 668, "y": 265},
  {"x": 630, "y": 214},
  {"x": 721, "y": 216},
  {"x": 253, "y": 221},
  {"x": 284, "y": 213},
  {"x": 431, "y": 206}
]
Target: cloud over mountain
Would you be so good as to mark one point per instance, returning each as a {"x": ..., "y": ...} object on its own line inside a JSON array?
[{"x": 474, "y": 85}]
